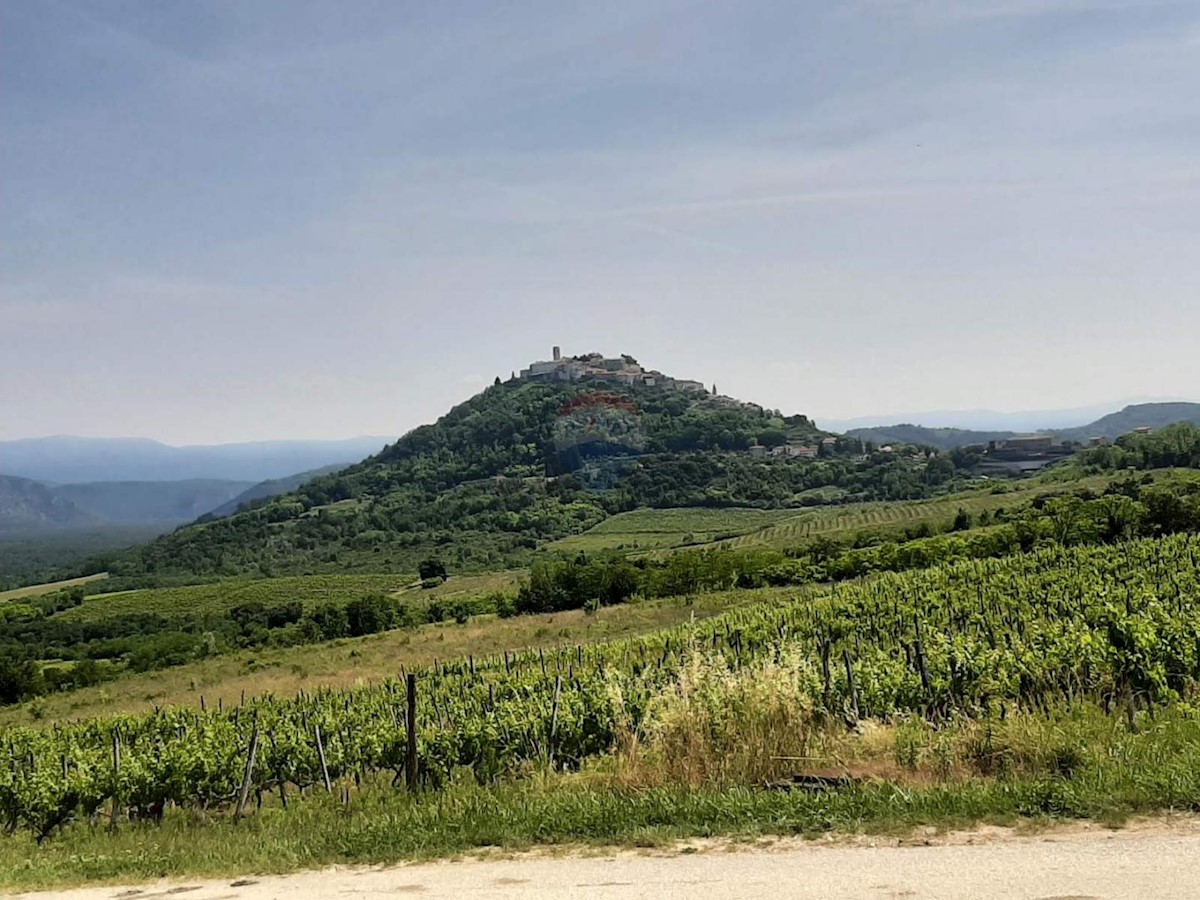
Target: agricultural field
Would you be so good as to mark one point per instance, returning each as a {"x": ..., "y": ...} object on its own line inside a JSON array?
[
  {"x": 354, "y": 662},
  {"x": 665, "y": 529},
  {"x": 1112, "y": 628},
  {"x": 653, "y": 529},
  {"x": 462, "y": 587},
  {"x": 38, "y": 590},
  {"x": 219, "y": 597}
]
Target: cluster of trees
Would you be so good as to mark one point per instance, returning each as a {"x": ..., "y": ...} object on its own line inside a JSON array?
[
  {"x": 88, "y": 652},
  {"x": 738, "y": 480},
  {"x": 1175, "y": 445},
  {"x": 1128, "y": 510}
]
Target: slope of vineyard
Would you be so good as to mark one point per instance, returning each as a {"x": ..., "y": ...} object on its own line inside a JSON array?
[
  {"x": 353, "y": 662},
  {"x": 659, "y": 529},
  {"x": 1112, "y": 624},
  {"x": 643, "y": 529}
]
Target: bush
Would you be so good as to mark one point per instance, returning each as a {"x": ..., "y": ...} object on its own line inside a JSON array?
[{"x": 432, "y": 569}]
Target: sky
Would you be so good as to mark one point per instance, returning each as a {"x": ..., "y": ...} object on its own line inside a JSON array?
[{"x": 231, "y": 221}]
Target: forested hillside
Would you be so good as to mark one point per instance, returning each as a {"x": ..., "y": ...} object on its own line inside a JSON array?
[
  {"x": 28, "y": 505},
  {"x": 1139, "y": 415},
  {"x": 522, "y": 463},
  {"x": 1175, "y": 445},
  {"x": 272, "y": 487},
  {"x": 942, "y": 438}
]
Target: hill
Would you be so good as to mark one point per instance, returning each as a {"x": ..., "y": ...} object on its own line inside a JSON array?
[
  {"x": 942, "y": 438},
  {"x": 150, "y": 502},
  {"x": 270, "y": 488},
  {"x": 27, "y": 505},
  {"x": 1140, "y": 415},
  {"x": 524, "y": 463},
  {"x": 1111, "y": 426},
  {"x": 73, "y": 460}
]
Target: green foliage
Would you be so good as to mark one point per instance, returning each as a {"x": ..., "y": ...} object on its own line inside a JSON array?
[
  {"x": 1175, "y": 445},
  {"x": 490, "y": 481},
  {"x": 431, "y": 569},
  {"x": 968, "y": 638}
]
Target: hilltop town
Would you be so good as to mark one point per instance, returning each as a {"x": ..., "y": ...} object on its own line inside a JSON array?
[{"x": 622, "y": 369}]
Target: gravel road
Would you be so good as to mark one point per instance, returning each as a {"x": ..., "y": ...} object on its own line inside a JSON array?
[{"x": 1155, "y": 861}]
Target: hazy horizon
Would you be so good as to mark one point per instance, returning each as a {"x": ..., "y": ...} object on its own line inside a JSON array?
[
  {"x": 240, "y": 222},
  {"x": 968, "y": 419}
]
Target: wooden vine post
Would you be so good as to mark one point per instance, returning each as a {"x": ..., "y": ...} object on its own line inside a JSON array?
[
  {"x": 410, "y": 757},
  {"x": 116, "y": 756},
  {"x": 321, "y": 758},
  {"x": 853, "y": 688},
  {"x": 553, "y": 720},
  {"x": 244, "y": 793}
]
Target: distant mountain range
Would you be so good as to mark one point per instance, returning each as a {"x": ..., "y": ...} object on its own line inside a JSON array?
[
  {"x": 149, "y": 502},
  {"x": 27, "y": 506},
  {"x": 76, "y": 460},
  {"x": 1111, "y": 426}
]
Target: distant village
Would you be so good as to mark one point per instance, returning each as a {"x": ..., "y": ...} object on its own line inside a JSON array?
[
  {"x": 621, "y": 369},
  {"x": 1018, "y": 454}
]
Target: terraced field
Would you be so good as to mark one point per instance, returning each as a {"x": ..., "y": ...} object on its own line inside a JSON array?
[{"x": 843, "y": 519}]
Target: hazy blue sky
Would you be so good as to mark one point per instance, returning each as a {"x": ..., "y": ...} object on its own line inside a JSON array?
[{"x": 242, "y": 220}]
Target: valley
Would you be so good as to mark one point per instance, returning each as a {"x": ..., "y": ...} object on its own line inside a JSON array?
[
  {"x": 612, "y": 585},
  {"x": 542, "y": 450}
]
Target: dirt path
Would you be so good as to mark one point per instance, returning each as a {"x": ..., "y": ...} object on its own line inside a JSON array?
[{"x": 1157, "y": 860}]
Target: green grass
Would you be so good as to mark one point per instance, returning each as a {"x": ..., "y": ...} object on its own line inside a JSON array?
[
  {"x": 221, "y": 596},
  {"x": 37, "y": 590},
  {"x": 1116, "y": 773}
]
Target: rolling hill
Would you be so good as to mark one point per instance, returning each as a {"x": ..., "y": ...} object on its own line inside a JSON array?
[
  {"x": 66, "y": 459},
  {"x": 941, "y": 438},
  {"x": 1111, "y": 426},
  {"x": 522, "y": 464},
  {"x": 272, "y": 487},
  {"x": 1148, "y": 415}
]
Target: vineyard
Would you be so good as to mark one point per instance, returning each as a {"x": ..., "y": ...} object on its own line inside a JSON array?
[
  {"x": 645, "y": 529},
  {"x": 663, "y": 529},
  {"x": 860, "y": 516},
  {"x": 1115, "y": 625}
]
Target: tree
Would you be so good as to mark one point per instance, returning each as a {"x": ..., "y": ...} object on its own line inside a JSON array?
[{"x": 431, "y": 568}]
